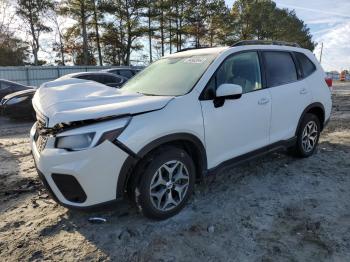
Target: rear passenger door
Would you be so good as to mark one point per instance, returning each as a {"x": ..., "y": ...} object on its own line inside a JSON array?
[{"x": 289, "y": 92}]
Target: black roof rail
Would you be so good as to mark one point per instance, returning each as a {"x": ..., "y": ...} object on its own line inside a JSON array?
[
  {"x": 264, "y": 42},
  {"x": 192, "y": 48}
]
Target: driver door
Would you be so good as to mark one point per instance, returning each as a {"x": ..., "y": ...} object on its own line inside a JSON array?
[{"x": 240, "y": 125}]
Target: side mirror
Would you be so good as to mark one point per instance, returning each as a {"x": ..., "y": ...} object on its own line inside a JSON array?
[{"x": 229, "y": 91}]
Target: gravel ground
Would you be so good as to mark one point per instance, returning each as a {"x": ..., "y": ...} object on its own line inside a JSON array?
[{"x": 274, "y": 208}]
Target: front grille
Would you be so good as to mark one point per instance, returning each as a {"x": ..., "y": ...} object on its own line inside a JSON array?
[
  {"x": 41, "y": 142},
  {"x": 41, "y": 119},
  {"x": 40, "y": 137}
]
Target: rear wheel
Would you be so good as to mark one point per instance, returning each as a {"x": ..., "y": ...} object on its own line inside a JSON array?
[
  {"x": 166, "y": 183},
  {"x": 308, "y": 136}
]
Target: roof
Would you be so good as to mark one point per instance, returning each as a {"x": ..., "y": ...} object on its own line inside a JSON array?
[
  {"x": 252, "y": 45},
  {"x": 265, "y": 42},
  {"x": 200, "y": 51}
]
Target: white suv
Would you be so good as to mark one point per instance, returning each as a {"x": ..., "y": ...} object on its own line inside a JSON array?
[{"x": 183, "y": 117}]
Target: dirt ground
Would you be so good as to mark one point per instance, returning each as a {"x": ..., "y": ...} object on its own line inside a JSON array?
[{"x": 274, "y": 208}]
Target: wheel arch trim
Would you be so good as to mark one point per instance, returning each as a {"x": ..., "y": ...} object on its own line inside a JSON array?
[
  {"x": 316, "y": 105},
  {"x": 132, "y": 161}
]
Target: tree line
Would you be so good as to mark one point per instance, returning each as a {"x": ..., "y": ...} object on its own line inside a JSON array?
[{"x": 90, "y": 32}]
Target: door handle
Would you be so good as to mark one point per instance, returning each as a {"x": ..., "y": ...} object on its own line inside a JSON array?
[
  {"x": 303, "y": 91},
  {"x": 263, "y": 101}
]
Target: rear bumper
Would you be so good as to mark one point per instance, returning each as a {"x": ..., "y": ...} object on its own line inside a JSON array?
[{"x": 95, "y": 172}]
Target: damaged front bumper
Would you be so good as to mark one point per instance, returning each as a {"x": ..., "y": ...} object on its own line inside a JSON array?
[{"x": 80, "y": 179}]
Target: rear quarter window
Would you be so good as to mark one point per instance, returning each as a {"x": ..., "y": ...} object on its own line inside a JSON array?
[
  {"x": 280, "y": 68},
  {"x": 307, "y": 66}
]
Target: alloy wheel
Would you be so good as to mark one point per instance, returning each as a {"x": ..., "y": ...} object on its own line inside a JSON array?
[
  {"x": 309, "y": 137},
  {"x": 169, "y": 185}
]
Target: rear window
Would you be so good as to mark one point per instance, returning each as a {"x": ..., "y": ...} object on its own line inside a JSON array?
[
  {"x": 86, "y": 77},
  {"x": 306, "y": 65},
  {"x": 110, "y": 79},
  {"x": 126, "y": 73},
  {"x": 280, "y": 68}
]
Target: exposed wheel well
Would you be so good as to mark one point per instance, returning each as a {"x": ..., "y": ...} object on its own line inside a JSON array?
[
  {"x": 318, "y": 111},
  {"x": 190, "y": 149},
  {"x": 191, "y": 145}
]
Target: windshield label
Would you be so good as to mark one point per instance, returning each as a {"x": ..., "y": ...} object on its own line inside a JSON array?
[{"x": 195, "y": 60}]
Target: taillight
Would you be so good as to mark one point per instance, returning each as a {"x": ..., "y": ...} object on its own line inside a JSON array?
[{"x": 329, "y": 82}]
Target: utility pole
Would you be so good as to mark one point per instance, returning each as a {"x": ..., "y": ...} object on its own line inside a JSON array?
[{"x": 321, "y": 53}]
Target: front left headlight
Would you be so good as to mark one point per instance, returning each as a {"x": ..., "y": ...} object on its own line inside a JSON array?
[
  {"x": 92, "y": 135},
  {"x": 75, "y": 142}
]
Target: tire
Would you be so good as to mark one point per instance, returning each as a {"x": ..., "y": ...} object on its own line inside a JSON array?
[
  {"x": 166, "y": 181},
  {"x": 307, "y": 136}
]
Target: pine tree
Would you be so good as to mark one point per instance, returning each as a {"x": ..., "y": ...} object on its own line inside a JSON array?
[
  {"x": 127, "y": 14},
  {"x": 80, "y": 10},
  {"x": 96, "y": 18}
]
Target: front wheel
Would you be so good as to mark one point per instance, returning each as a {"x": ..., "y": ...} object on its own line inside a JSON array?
[
  {"x": 166, "y": 183},
  {"x": 308, "y": 136}
]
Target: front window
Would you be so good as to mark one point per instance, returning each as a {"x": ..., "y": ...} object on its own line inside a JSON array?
[
  {"x": 171, "y": 76},
  {"x": 241, "y": 69}
]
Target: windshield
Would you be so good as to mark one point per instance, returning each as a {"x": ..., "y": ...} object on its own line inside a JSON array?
[{"x": 171, "y": 76}]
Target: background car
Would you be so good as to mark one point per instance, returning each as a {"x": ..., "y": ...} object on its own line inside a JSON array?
[
  {"x": 19, "y": 104},
  {"x": 8, "y": 87},
  {"x": 105, "y": 78},
  {"x": 127, "y": 72}
]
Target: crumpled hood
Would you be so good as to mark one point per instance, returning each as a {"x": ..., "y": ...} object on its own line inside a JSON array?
[{"x": 87, "y": 100}]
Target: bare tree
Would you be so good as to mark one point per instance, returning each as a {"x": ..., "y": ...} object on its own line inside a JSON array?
[
  {"x": 7, "y": 17},
  {"x": 59, "y": 26},
  {"x": 32, "y": 12}
]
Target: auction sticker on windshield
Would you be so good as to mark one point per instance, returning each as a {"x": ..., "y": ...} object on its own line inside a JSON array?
[{"x": 195, "y": 60}]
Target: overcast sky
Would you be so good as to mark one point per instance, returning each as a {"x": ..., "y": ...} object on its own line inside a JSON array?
[{"x": 329, "y": 22}]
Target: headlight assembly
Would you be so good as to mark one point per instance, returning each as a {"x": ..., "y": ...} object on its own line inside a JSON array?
[
  {"x": 75, "y": 142},
  {"x": 92, "y": 135}
]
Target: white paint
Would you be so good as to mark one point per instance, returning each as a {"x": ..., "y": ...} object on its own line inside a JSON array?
[{"x": 242, "y": 125}]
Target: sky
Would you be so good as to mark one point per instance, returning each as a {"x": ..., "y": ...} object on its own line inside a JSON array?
[{"x": 329, "y": 23}]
